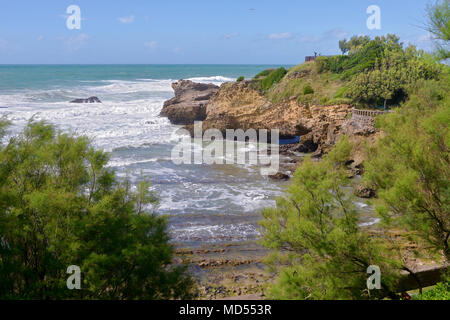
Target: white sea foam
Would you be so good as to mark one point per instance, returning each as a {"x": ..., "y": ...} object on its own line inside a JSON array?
[
  {"x": 127, "y": 123},
  {"x": 127, "y": 162},
  {"x": 217, "y": 80},
  {"x": 372, "y": 222},
  {"x": 128, "y": 116},
  {"x": 361, "y": 204},
  {"x": 126, "y": 87},
  {"x": 214, "y": 233}
]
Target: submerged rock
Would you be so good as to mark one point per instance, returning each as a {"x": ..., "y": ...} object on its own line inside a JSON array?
[
  {"x": 280, "y": 176},
  {"x": 88, "y": 100},
  {"x": 189, "y": 103},
  {"x": 364, "y": 192}
]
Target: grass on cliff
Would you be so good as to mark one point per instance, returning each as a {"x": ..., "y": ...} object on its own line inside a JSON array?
[
  {"x": 326, "y": 87},
  {"x": 266, "y": 79},
  {"x": 307, "y": 82}
]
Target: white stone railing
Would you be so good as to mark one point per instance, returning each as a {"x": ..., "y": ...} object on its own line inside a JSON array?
[{"x": 368, "y": 113}]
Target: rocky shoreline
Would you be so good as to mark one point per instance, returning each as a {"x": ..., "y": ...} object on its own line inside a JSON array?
[
  {"x": 231, "y": 270},
  {"x": 238, "y": 105},
  {"x": 234, "y": 271},
  {"x": 227, "y": 270}
]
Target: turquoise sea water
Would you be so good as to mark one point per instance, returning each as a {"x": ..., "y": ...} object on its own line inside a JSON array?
[
  {"x": 206, "y": 203},
  {"x": 13, "y": 77}
]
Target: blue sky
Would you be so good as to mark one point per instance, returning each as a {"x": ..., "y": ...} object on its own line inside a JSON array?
[{"x": 196, "y": 31}]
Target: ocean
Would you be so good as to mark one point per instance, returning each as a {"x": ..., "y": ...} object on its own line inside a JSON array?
[{"x": 205, "y": 203}]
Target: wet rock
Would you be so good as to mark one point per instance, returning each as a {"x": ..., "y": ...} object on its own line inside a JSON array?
[
  {"x": 204, "y": 264},
  {"x": 189, "y": 103},
  {"x": 364, "y": 192},
  {"x": 307, "y": 144},
  {"x": 280, "y": 176},
  {"x": 88, "y": 100}
]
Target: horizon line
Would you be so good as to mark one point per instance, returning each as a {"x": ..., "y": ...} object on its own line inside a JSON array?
[{"x": 145, "y": 64}]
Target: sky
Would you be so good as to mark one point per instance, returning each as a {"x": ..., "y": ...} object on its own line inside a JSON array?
[{"x": 196, "y": 31}]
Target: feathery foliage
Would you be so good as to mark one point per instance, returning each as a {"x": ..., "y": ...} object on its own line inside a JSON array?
[
  {"x": 61, "y": 206},
  {"x": 319, "y": 250}
]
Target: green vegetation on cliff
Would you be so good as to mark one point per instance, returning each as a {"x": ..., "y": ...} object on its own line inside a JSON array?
[
  {"x": 324, "y": 86},
  {"x": 268, "y": 78},
  {"x": 375, "y": 72}
]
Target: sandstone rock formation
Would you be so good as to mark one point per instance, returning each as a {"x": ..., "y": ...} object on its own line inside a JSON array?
[
  {"x": 88, "y": 100},
  {"x": 362, "y": 132},
  {"x": 364, "y": 192},
  {"x": 189, "y": 103},
  {"x": 239, "y": 106}
]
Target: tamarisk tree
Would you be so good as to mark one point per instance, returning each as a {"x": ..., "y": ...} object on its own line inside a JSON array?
[
  {"x": 319, "y": 249},
  {"x": 61, "y": 206}
]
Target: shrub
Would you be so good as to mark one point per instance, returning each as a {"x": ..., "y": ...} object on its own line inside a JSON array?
[
  {"x": 319, "y": 250},
  {"x": 271, "y": 77},
  {"x": 322, "y": 64},
  {"x": 413, "y": 184},
  {"x": 61, "y": 206},
  {"x": 440, "y": 292},
  {"x": 264, "y": 73},
  {"x": 308, "y": 90},
  {"x": 241, "y": 78},
  {"x": 363, "y": 56}
]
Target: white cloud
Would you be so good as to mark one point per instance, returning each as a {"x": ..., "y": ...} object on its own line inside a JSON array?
[
  {"x": 151, "y": 45},
  {"x": 127, "y": 19},
  {"x": 337, "y": 33},
  {"x": 310, "y": 39},
  {"x": 40, "y": 38},
  {"x": 231, "y": 35},
  {"x": 425, "y": 42},
  {"x": 280, "y": 36}
]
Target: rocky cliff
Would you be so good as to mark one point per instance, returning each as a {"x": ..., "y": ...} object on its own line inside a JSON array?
[
  {"x": 189, "y": 103},
  {"x": 238, "y": 105}
]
